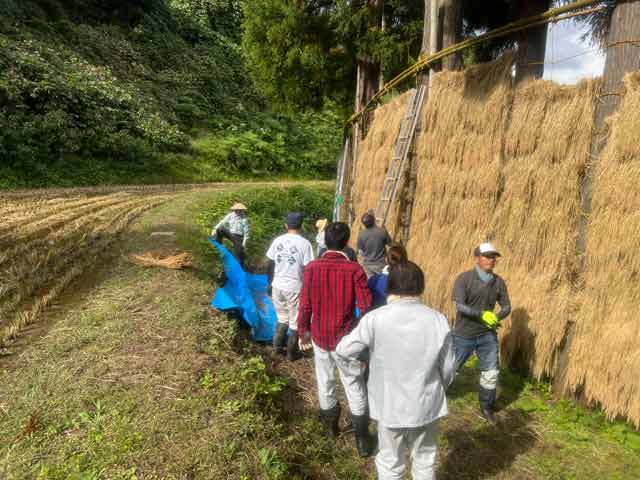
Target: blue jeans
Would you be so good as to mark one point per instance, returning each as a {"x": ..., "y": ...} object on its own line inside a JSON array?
[{"x": 485, "y": 346}]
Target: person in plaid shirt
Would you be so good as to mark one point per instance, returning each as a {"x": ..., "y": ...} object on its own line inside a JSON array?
[{"x": 332, "y": 288}]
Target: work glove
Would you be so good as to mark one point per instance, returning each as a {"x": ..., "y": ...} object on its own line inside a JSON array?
[{"x": 490, "y": 319}]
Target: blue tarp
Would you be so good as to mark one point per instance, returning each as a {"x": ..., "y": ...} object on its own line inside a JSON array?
[{"x": 246, "y": 293}]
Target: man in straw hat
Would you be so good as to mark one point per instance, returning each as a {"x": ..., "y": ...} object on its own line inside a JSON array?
[
  {"x": 288, "y": 255},
  {"x": 235, "y": 227},
  {"x": 412, "y": 363},
  {"x": 475, "y": 294},
  {"x": 332, "y": 288}
]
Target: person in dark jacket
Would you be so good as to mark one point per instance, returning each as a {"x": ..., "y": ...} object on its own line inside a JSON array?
[
  {"x": 372, "y": 244},
  {"x": 475, "y": 294},
  {"x": 396, "y": 255}
]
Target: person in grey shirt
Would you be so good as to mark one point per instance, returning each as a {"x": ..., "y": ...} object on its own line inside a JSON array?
[
  {"x": 372, "y": 243},
  {"x": 475, "y": 294},
  {"x": 412, "y": 362}
]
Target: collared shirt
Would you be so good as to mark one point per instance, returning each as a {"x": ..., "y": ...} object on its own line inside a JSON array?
[
  {"x": 411, "y": 361},
  {"x": 332, "y": 288},
  {"x": 237, "y": 225}
]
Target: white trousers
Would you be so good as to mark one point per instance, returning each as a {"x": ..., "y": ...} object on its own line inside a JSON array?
[
  {"x": 286, "y": 306},
  {"x": 393, "y": 444},
  {"x": 351, "y": 375}
]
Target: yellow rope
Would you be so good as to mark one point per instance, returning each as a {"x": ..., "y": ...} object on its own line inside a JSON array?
[{"x": 553, "y": 15}]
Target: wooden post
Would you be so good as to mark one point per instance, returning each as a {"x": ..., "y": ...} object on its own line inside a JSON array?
[
  {"x": 452, "y": 33},
  {"x": 622, "y": 58}
]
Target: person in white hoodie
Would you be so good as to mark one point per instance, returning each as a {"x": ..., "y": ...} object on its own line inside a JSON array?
[{"x": 412, "y": 362}]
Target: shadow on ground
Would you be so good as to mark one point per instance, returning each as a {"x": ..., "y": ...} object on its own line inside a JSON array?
[{"x": 472, "y": 453}]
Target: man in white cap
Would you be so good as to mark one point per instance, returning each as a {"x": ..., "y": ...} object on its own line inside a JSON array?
[
  {"x": 235, "y": 227},
  {"x": 475, "y": 294}
]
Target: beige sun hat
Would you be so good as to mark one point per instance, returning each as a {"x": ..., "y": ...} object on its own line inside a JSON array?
[
  {"x": 238, "y": 206},
  {"x": 321, "y": 224}
]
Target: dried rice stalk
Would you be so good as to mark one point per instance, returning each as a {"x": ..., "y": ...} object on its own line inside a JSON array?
[
  {"x": 174, "y": 261},
  {"x": 605, "y": 358}
]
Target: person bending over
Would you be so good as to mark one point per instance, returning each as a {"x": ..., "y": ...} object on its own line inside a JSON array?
[{"x": 235, "y": 227}]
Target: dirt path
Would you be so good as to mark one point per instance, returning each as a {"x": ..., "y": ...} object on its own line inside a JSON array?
[{"x": 133, "y": 377}]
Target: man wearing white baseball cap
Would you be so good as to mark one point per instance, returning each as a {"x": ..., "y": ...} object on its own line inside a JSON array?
[{"x": 475, "y": 294}]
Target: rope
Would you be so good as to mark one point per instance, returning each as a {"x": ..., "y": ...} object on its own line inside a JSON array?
[
  {"x": 635, "y": 43},
  {"x": 551, "y": 16}
]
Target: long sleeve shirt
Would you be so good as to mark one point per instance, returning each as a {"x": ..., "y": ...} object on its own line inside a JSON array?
[
  {"x": 472, "y": 296},
  {"x": 236, "y": 224},
  {"x": 411, "y": 362},
  {"x": 332, "y": 288}
]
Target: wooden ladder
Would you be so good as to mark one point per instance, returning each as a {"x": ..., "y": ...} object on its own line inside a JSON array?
[{"x": 401, "y": 152}]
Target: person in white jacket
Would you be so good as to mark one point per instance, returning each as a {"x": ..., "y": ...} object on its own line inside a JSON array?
[{"x": 412, "y": 362}]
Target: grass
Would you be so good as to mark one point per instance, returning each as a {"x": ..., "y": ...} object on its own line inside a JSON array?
[{"x": 133, "y": 378}]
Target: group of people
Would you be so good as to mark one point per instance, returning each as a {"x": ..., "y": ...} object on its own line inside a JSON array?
[{"x": 365, "y": 319}]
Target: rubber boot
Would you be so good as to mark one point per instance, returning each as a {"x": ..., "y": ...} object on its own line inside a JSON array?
[
  {"x": 293, "y": 352},
  {"x": 363, "y": 439},
  {"x": 280, "y": 337},
  {"x": 487, "y": 400},
  {"x": 330, "y": 421}
]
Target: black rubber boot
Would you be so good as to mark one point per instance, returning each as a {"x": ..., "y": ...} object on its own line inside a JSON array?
[
  {"x": 363, "y": 439},
  {"x": 330, "y": 420},
  {"x": 487, "y": 400},
  {"x": 280, "y": 337},
  {"x": 293, "y": 353}
]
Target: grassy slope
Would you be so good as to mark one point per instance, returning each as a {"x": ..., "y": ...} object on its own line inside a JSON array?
[
  {"x": 137, "y": 380},
  {"x": 91, "y": 94}
]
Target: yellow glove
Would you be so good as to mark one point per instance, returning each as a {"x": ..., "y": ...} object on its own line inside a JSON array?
[{"x": 490, "y": 319}]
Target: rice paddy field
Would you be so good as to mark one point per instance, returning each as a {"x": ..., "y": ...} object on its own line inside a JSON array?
[{"x": 48, "y": 239}]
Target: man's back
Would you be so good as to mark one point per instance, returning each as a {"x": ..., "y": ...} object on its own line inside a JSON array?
[
  {"x": 333, "y": 286},
  {"x": 290, "y": 253},
  {"x": 411, "y": 362},
  {"x": 371, "y": 244}
]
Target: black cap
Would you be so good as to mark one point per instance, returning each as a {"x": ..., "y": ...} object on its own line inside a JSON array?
[{"x": 294, "y": 220}]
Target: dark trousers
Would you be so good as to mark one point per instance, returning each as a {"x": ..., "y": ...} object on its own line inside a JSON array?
[{"x": 236, "y": 240}]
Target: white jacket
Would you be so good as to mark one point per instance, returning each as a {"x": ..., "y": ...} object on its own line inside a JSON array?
[{"x": 412, "y": 362}]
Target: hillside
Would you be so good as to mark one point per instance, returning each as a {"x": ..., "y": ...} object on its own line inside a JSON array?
[{"x": 144, "y": 91}]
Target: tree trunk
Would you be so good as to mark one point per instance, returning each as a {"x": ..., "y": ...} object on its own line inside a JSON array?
[
  {"x": 622, "y": 58},
  {"x": 532, "y": 42},
  {"x": 452, "y": 33},
  {"x": 423, "y": 77},
  {"x": 383, "y": 28}
]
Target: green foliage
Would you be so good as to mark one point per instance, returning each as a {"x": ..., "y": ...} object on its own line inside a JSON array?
[
  {"x": 267, "y": 211},
  {"x": 300, "y": 53},
  {"x": 304, "y": 145}
]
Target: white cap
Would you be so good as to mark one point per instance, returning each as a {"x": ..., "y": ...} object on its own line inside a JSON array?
[{"x": 486, "y": 248}]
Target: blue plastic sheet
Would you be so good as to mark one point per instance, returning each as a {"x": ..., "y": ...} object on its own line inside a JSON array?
[{"x": 245, "y": 293}]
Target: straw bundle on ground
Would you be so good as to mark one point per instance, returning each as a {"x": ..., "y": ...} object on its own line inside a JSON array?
[
  {"x": 458, "y": 167},
  {"x": 605, "y": 355},
  {"x": 535, "y": 221},
  {"x": 374, "y": 155},
  {"x": 174, "y": 261}
]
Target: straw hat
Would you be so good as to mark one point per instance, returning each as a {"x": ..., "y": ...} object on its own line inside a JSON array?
[
  {"x": 321, "y": 224},
  {"x": 238, "y": 206}
]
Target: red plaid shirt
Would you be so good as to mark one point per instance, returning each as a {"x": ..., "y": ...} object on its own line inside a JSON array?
[{"x": 332, "y": 288}]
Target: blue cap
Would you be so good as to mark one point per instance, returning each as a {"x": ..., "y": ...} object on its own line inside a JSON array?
[{"x": 294, "y": 220}]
